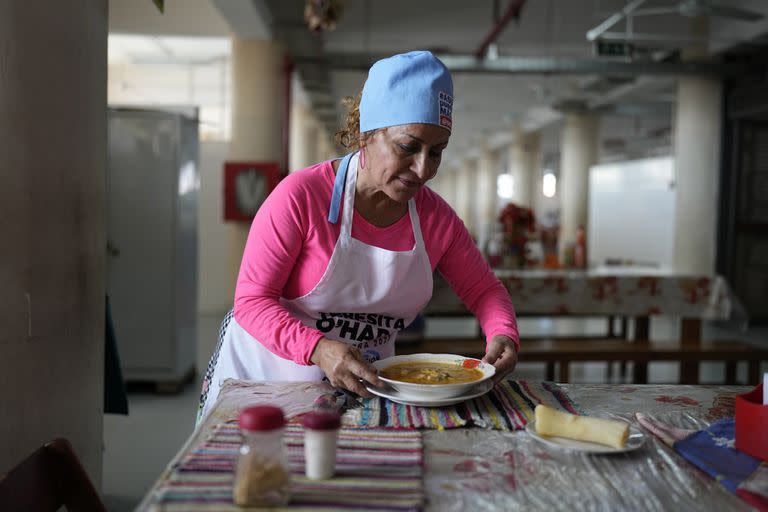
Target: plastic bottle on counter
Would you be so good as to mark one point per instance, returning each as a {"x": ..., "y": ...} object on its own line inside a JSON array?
[
  {"x": 568, "y": 255},
  {"x": 580, "y": 249},
  {"x": 321, "y": 429},
  {"x": 262, "y": 476}
]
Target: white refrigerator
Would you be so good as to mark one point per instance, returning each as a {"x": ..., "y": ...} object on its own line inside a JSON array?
[{"x": 153, "y": 185}]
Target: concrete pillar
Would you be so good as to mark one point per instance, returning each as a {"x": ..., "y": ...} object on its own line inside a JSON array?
[
  {"x": 525, "y": 163},
  {"x": 698, "y": 121},
  {"x": 452, "y": 186},
  {"x": 578, "y": 150},
  {"x": 324, "y": 146},
  {"x": 321, "y": 144},
  {"x": 303, "y": 150},
  {"x": 440, "y": 182},
  {"x": 543, "y": 206},
  {"x": 435, "y": 183},
  {"x": 296, "y": 149},
  {"x": 484, "y": 196},
  {"x": 466, "y": 173},
  {"x": 258, "y": 83},
  {"x": 444, "y": 184},
  {"x": 53, "y": 128},
  {"x": 331, "y": 151},
  {"x": 460, "y": 189}
]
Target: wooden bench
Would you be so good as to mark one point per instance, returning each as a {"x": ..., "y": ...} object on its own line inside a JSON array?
[
  {"x": 689, "y": 350},
  {"x": 565, "y": 351}
]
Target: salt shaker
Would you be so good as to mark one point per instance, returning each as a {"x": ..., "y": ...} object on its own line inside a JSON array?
[
  {"x": 262, "y": 476},
  {"x": 321, "y": 430}
]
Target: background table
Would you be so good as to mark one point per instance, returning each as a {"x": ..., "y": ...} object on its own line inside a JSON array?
[
  {"x": 607, "y": 291},
  {"x": 623, "y": 293}
]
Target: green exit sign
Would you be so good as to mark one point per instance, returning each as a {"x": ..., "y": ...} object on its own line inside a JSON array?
[{"x": 613, "y": 49}]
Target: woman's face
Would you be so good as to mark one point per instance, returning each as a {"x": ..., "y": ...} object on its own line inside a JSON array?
[{"x": 399, "y": 160}]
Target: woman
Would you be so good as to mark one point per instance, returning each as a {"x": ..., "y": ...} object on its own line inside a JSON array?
[{"x": 340, "y": 256}]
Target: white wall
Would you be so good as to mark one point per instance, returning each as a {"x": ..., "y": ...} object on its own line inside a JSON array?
[
  {"x": 632, "y": 212},
  {"x": 205, "y": 85},
  {"x": 180, "y": 17},
  {"x": 214, "y": 286}
]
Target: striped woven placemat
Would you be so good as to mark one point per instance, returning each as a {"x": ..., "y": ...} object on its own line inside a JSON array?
[
  {"x": 508, "y": 406},
  {"x": 376, "y": 469}
]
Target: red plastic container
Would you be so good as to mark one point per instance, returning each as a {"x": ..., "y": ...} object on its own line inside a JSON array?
[{"x": 752, "y": 424}]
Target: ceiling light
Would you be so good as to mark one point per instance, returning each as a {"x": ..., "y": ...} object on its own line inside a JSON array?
[{"x": 549, "y": 184}]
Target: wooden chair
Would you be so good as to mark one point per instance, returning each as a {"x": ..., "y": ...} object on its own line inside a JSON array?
[{"x": 48, "y": 479}]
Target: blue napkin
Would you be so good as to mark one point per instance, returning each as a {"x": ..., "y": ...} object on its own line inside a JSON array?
[{"x": 712, "y": 450}]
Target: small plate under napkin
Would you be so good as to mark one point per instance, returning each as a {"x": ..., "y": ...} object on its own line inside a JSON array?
[{"x": 635, "y": 441}]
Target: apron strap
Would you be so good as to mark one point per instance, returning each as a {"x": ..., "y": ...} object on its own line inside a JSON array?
[{"x": 338, "y": 189}]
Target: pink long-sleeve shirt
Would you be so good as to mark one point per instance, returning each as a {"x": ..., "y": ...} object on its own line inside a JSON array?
[{"x": 291, "y": 241}]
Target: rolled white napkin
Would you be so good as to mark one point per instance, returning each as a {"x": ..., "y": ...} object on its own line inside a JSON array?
[{"x": 551, "y": 422}]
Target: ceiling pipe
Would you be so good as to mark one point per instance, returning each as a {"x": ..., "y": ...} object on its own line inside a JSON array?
[
  {"x": 543, "y": 65},
  {"x": 513, "y": 11},
  {"x": 287, "y": 104},
  {"x": 613, "y": 19}
]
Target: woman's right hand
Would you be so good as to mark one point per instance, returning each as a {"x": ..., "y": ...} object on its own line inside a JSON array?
[{"x": 344, "y": 366}]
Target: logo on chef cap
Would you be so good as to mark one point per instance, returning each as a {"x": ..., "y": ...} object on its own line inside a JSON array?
[{"x": 445, "y": 102}]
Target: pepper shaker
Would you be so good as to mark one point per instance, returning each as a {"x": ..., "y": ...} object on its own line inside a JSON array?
[{"x": 320, "y": 435}]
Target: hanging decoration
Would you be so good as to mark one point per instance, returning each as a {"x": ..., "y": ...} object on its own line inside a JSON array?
[{"x": 322, "y": 15}]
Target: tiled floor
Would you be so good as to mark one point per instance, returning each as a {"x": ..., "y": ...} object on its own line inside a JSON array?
[{"x": 138, "y": 447}]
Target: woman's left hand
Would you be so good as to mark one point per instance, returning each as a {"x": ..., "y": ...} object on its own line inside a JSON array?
[{"x": 501, "y": 353}]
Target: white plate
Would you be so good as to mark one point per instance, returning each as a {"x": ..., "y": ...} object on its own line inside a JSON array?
[
  {"x": 392, "y": 394},
  {"x": 635, "y": 441}
]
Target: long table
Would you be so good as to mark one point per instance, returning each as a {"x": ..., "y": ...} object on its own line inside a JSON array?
[
  {"x": 477, "y": 469},
  {"x": 625, "y": 293}
]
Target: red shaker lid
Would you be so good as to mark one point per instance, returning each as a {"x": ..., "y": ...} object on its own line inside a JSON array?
[
  {"x": 321, "y": 420},
  {"x": 261, "y": 418}
]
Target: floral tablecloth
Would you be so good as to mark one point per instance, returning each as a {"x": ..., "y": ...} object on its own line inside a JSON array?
[{"x": 606, "y": 292}]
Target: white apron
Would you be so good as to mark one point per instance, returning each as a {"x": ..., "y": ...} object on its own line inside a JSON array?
[{"x": 366, "y": 295}]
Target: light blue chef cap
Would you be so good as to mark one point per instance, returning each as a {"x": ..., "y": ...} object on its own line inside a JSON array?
[{"x": 413, "y": 87}]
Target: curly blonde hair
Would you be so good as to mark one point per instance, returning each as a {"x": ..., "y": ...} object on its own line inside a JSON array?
[{"x": 349, "y": 136}]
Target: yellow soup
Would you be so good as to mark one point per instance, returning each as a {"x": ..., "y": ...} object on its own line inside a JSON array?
[{"x": 431, "y": 373}]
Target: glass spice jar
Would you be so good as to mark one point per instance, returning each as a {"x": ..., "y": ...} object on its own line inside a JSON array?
[{"x": 262, "y": 475}]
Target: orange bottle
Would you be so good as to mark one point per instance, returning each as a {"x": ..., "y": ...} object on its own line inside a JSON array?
[{"x": 580, "y": 251}]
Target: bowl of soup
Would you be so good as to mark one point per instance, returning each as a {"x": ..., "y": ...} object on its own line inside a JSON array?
[{"x": 433, "y": 375}]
